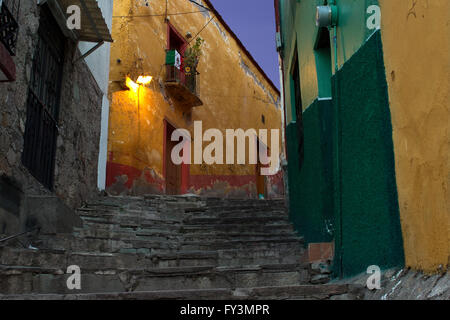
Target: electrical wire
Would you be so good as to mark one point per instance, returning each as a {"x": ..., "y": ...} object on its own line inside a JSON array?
[
  {"x": 200, "y": 5},
  {"x": 158, "y": 15},
  {"x": 193, "y": 38}
]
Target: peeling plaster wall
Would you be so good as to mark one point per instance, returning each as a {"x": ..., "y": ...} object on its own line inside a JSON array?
[
  {"x": 416, "y": 40},
  {"x": 234, "y": 94}
]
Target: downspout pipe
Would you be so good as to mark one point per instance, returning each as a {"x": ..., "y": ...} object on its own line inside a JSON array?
[
  {"x": 334, "y": 26},
  {"x": 338, "y": 142}
]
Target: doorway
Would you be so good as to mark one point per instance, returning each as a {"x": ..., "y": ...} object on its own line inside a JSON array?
[
  {"x": 322, "y": 52},
  {"x": 176, "y": 176},
  {"x": 297, "y": 107},
  {"x": 173, "y": 172},
  {"x": 260, "y": 179},
  {"x": 175, "y": 41}
]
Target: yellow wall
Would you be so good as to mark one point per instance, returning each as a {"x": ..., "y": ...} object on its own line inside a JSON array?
[
  {"x": 417, "y": 58},
  {"x": 233, "y": 97}
]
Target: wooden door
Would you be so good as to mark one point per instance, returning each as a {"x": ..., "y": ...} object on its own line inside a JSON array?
[
  {"x": 260, "y": 179},
  {"x": 173, "y": 171}
]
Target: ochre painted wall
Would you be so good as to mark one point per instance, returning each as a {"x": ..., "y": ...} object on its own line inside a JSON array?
[
  {"x": 416, "y": 39},
  {"x": 234, "y": 94}
]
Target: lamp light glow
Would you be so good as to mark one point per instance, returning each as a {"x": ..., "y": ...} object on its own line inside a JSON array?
[
  {"x": 131, "y": 84},
  {"x": 144, "y": 80}
]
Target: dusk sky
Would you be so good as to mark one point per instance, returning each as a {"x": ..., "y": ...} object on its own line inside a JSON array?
[{"x": 253, "y": 21}]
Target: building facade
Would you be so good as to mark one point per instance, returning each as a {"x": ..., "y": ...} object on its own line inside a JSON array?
[
  {"x": 366, "y": 94},
  {"x": 51, "y": 99},
  {"x": 223, "y": 89}
]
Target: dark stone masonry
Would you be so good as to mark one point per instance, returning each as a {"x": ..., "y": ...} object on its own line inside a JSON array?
[{"x": 77, "y": 144}]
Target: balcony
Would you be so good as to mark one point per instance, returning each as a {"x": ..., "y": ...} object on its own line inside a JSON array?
[
  {"x": 183, "y": 86},
  {"x": 9, "y": 27}
]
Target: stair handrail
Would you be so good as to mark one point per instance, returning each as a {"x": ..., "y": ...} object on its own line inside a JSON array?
[{"x": 20, "y": 234}]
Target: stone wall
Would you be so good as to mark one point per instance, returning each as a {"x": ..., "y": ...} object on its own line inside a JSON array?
[{"x": 79, "y": 121}]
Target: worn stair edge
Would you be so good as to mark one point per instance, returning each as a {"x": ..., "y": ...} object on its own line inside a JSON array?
[{"x": 346, "y": 291}]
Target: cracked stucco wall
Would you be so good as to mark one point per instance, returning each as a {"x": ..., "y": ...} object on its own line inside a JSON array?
[
  {"x": 234, "y": 93},
  {"x": 416, "y": 41}
]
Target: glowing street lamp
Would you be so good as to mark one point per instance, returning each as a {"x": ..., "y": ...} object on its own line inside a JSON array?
[
  {"x": 141, "y": 81},
  {"x": 144, "y": 80},
  {"x": 133, "y": 86}
]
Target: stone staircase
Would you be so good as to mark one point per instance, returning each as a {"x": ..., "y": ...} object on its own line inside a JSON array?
[{"x": 169, "y": 247}]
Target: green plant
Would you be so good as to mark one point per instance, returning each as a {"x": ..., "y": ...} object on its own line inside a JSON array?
[{"x": 193, "y": 54}]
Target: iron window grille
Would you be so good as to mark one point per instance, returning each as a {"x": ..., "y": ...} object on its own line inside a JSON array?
[
  {"x": 43, "y": 101},
  {"x": 9, "y": 24}
]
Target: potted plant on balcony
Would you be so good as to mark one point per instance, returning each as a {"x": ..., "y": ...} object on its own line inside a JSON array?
[
  {"x": 192, "y": 56},
  {"x": 191, "y": 60}
]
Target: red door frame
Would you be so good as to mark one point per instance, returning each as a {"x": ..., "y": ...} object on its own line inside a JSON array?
[
  {"x": 185, "y": 167},
  {"x": 172, "y": 30}
]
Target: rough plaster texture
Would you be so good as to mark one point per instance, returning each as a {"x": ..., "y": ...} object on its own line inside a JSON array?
[
  {"x": 234, "y": 93},
  {"x": 368, "y": 226},
  {"x": 79, "y": 121},
  {"x": 416, "y": 45},
  {"x": 311, "y": 209}
]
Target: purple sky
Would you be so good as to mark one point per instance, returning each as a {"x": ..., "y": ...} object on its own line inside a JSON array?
[{"x": 253, "y": 21}]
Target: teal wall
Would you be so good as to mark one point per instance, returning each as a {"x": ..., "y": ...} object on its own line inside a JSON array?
[
  {"x": 368, "y": 220},
  {"x": 346, "y": 189},
  {"x": 311, "y": 188},
  {"x": 299, "y": 30}
]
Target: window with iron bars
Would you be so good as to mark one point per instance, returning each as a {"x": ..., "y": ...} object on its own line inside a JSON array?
[
  {"x": 9, "y": 24},
  {"x": 41, "y": 130}
]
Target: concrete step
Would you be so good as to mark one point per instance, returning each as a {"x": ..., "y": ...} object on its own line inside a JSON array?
[
  {"x": 238, "y": 236},
  {"x": 257, "y": 220},
  {"x": 281, "y": 228},
  {"x": 273, "y": 246},
  {"x": 100, "y": 229},
  {"x": 302, "y": 292},
  {"x": 101, "y": 261},
  {"x": 249, "y": 214},
  {"x": 261, "y": 244},
  {"x": 130, "y": 221},
  {"x": 177, "y": 230},
  {"x": 36, "y": 280},
  {"x": 128, "y": 234},
  {"x": 155, "y": 243},
  {"x": 162, "y": 202},
  {"x": 72, "y": 243},
  {"x": 220, "y": 211}
]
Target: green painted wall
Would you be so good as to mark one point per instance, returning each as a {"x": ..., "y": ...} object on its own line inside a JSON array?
[
  {"x": 311, "y": 209},
  {"x": 347, "y": 188},
  {"x": 299, "y": 29},
  {"x": 369, "y": 231}
]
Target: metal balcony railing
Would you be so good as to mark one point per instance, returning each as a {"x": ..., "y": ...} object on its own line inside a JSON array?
[
  {"x": 9, "y": 25},
  {"x": 187, "y": 77}
]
